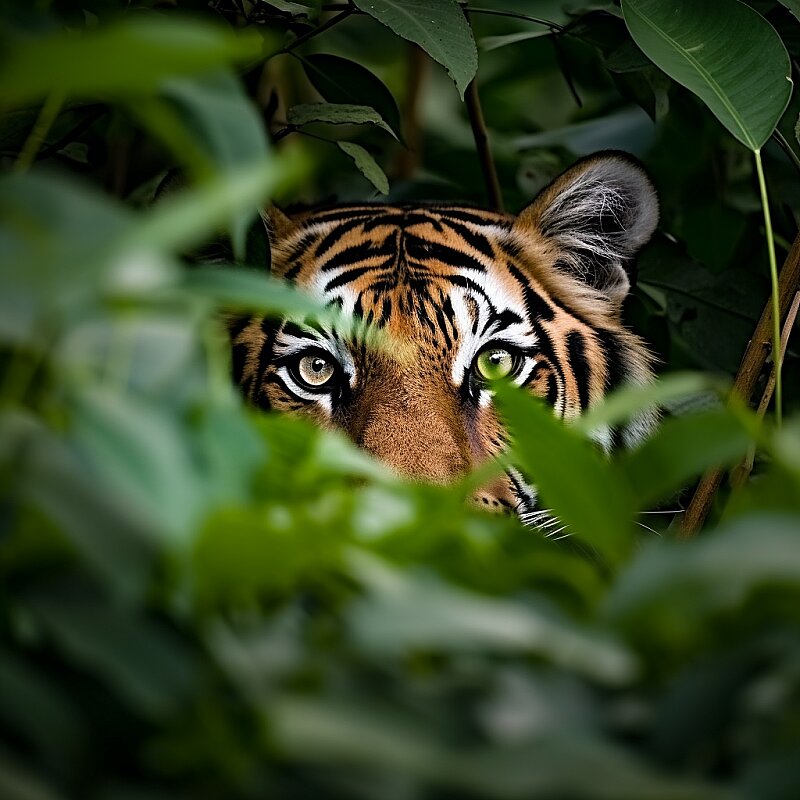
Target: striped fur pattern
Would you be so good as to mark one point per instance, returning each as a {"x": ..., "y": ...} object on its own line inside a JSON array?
[{"x": 449, "y": 283}]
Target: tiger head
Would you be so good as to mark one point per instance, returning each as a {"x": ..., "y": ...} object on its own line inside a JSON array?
[{"x": 465, "y": 295}]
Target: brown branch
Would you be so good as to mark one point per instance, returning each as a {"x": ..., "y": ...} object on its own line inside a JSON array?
[
  {"x": 481, "y": 137},
  {"x": 755, "y": 356}
]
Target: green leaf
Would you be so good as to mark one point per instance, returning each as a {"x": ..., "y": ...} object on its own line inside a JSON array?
[
  {"x": 129, "y": 57},
  {"x": 333, "y": 113},
  {"x": 682, "y": 449},
  {"x": 403, "y": 613},
  {"x": 439, "y": 27},
  {"x": 706, "y": 575},
  {"x": 340, "y": 80},
  {"x": 694, "y": 42},
  {"x": 626, "y": 402},
  {"x": 112, "y": 539},
  {"x": 145, "y": 662},
  {"x": 367, "y": 165},
  {"x": 573, "y": 478}
]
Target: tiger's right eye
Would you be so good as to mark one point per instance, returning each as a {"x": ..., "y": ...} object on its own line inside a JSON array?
[{"x": 315, "y": 370}]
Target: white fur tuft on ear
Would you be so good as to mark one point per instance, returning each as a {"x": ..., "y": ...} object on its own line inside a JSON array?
[{"x": 596, "y": 216}]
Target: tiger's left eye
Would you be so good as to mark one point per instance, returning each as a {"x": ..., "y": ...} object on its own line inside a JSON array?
[{"x": 495, "y": 363}]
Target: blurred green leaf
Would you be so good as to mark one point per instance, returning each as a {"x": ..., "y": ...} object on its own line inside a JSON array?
[
  {"x": 793, "y": 6},
  {"x": 669, "y": 586},
  {"x": 439, "y": 27},
  {"x": 624, "y": 403},
  {"x": 692, "y": 43},
  {"x": 572, "y": 477},
  {"x": 366, "y": 165},
  {"x": 129, "y": 57},
  {"x": 146, "y": 663},
  {"x": 682, "y": 449},
  {"x": 340, "y": 80},
  {"x": 114, "y": 540},
  {"x": 403, "y": 613},
  {"x": 17, "y": 783}
]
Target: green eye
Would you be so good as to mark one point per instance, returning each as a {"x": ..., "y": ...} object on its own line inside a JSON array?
[{"x": 494, "y": 363}]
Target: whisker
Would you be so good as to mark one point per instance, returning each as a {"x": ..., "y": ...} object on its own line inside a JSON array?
[
  {"x": 647, "y": 528},
  {"x": 666, "y": 511}
]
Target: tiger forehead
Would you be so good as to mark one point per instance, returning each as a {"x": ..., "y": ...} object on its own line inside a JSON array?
[{"x": 404, "y": 239}]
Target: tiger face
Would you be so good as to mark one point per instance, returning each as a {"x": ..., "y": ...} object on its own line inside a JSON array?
[{"x": 465, "y": 295}]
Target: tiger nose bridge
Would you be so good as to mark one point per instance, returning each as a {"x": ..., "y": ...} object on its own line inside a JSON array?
[{"x": 416, "y": 435}]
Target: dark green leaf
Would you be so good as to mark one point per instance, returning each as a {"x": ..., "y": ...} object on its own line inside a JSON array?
[
  {"x": 333, "y": 113},
  {"x": 439, "y": 27},
  {"x": 340, "y": 80}
]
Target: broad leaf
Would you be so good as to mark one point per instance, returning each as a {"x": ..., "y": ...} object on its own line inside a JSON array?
[
  {"x": 340, "y": 80},
  {"x": 367, "y": 165},
  {"x": 496, "y": 42},
  {"x": 439, "y": 27},
  {"x": 723, "y": 51}
]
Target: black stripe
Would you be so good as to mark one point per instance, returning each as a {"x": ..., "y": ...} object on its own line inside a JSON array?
[
  {"x": 357, "y": 253},
  {"x": 475, "y": 240},
  {"x": 348, "y": 276},
  {"x": 536, "y": 305},
  {"x": 422, "y": 250},
  {"x": 581, "y": 368}
]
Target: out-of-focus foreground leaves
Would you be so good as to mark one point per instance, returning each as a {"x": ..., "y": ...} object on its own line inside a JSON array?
[{"x": 198, "y": 600}]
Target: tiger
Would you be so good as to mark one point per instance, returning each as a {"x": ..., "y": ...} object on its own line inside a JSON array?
[{"x": 468, "y": 295}]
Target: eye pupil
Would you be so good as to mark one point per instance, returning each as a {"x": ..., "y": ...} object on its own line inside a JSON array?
[{"x": 318, "y": 365}]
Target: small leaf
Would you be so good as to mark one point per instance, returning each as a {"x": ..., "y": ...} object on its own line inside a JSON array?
[
  {"x": 340, "y": 80},
  {"x": 367, "y": 165},
  {"x": 693, "y": 43},
  {"x": 439, "y": 27},
  {"x": 333, "y": 113}
]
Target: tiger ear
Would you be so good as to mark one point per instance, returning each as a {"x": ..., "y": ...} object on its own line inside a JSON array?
[
  {"x": 278, "y": 226},
  {"x": 593, "y": 219}
]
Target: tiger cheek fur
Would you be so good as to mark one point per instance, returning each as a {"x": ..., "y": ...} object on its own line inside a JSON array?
[{"x": 458, "y": 290}]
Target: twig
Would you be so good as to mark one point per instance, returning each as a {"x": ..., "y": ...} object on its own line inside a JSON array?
[
  {"x": 481, "y": 137},
  {"x": 496, "y": 12},
  {"x": 755, "y": 356},
  {"x": 346, "y": 12},
  {"x": 742, "y": 472},
  {"x": 787, "y": 148}
]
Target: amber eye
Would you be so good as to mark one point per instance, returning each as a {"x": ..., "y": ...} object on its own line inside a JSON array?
[
  {"x": 494, "y": 363},
  {"x": 315, "y": 370}
]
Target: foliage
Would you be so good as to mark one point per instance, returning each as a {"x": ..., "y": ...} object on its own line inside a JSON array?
[{"x": 202, "y": 601}]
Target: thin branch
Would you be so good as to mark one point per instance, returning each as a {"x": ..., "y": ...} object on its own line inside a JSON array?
[
  {"x": 327, "y": 25},
  {"x": 481, "y": 137},
  {"x": 755, "y": 356},
  {"x": 408, "y": 157},
  {"x": 787, "y": 148},
  {"x": 495, "y": 12},
  {"x": 742, "y": 472}
]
